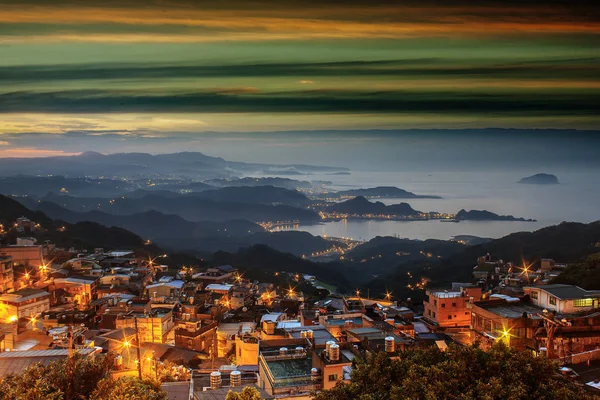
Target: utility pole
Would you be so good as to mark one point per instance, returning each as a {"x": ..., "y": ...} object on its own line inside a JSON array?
[
  {"x": 137, "y": 347},
  {"x": 70, "y": 336}
]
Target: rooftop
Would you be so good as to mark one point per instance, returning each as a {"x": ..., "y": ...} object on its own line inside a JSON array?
[
  {"x": 23, "y": 295},
  {"x": 15, "y": 362},
  {"x": 290, "y": 368},
  {"x": 566, "y": 292},
  {"x": 320, "y": 334},
  {"x": 510, "y": 310},
  {"x": 217, "y": 286},
  {"x": 331, "y": 320}
]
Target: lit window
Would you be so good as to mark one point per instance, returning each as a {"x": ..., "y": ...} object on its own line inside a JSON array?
[
  {"x": 333, "y": 377},
  {"x": 583, "y": 302},
  {"x": 553, "y": 300},
  {"x": 534, "y": 295}
]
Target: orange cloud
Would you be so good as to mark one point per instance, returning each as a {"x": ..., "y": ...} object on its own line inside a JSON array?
[
  {"x": 32, "y": 153},
  {"x": 294, "y": 23}
]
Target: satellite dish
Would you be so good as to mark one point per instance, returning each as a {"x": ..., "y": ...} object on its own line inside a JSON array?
[{"x": 245, "y": 309}]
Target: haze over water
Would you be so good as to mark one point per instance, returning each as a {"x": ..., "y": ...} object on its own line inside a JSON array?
[{"x": 574, "y": 199}]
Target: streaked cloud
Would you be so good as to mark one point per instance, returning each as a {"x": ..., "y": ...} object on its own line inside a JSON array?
[{"x": 143, "y": 69}]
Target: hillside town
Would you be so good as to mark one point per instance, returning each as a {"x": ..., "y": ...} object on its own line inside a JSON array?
[{"x": 207, "y": 331}]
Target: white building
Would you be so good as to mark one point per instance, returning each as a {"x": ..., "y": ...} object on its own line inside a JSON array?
[
  {"x": 24, "y": 303},
  {"x": 564, "y": 299}
]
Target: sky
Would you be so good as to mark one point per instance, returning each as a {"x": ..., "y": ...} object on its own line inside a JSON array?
[{"x": 159, "y": 76}]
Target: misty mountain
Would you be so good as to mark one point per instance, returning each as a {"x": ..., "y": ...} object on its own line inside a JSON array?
[
  {"x": 566, "y": 242},
  {"x": 22, "y": 185},
  {"x": 81, "y": 235},
  {"x": 256, "y": 195},
  {"x": 153, "y": 224},
  {"x": 361, "y": 206},
  {"x": 189, "y": 207},
  {"x": 186, "y": 164},
  {"x": 173, "y": 232},
  {"x": 485, "y": 215},
  {"x": 285, "y": 183},
  {"x": 384, "y": 192}
]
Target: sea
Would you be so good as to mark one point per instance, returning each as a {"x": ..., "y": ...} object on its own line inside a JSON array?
[{"x": 575, "y": 199}]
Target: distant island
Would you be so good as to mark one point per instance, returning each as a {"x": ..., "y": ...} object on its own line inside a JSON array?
[
  {"x": 384, "y": 192},
  {"x": 540, "y": 179},
  {"x": 484, "y": 215},
  {"x": 361, "y": 206}
]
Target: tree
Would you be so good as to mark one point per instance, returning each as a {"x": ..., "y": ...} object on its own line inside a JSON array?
[
  {"x": 68, "y": 379},
  {"x": 126, "y": 388},
  {"x": 459, "y": 373},
  {"x": 248, "y": 393},
  {"x": 76, "y": 378}
]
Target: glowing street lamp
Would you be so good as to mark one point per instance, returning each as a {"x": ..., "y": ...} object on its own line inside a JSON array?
[{"x": 357, "y": 293}]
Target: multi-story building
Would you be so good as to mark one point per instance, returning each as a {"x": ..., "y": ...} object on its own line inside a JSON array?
[
  {"x": 505, "y": 318},
  {"x": 339, "y": 324},
  {"x": 563, "y": 298},
  {"x": 28, "y": 256},
  {"x": 197, "y": 335},
  {"x": 446, "y": 308},
  {"x": 154, "y": 326},
  {"x": 221, "y": 274},
  {"x": 24, "y": 303},
  {"x": 7, "y": 275},
  {"x": 286, "y": 367},
  {"x": 81, "y": 288}
]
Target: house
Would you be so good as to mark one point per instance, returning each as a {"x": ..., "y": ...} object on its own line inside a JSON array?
[
  {"x": 165, "y": 289},
  {"x": 241, "y": 296},
  {"x": 339, "y": 324},
  {"x": 563, "y": 298},
  {"x": 448, "y": 308},
  {"x": 24, "y": 303},
  {"x": 505, "y": 318},
  {"x": 197, "y": 335},
  {"x": 219, "y": 274},
  {"x": 154, "y": 326},
  {"x": 286, "y": 367},
  {"x": 28, "y": 256},
  {"x": 228, "y": 332},
  {"x": 7, "y": 276},
  {"x": 82, "y": 289}
]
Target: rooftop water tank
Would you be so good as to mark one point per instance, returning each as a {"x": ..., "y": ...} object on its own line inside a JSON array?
[
  {"x": 235, "y": 378},
  {"x": 215, "y": 380},
  {"x": 334, "y": 352},
  {"x": 390, "y": 344}
]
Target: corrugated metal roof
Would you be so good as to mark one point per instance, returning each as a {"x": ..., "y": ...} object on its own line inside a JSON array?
[{"x": 15, "y": 362}]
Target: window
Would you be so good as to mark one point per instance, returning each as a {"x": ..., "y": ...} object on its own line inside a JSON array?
[
  {"x": 453, "y": 304},
  {"x": 429, "y": 312},
  {"x": 333, "y": 377},
  {"x": 433, "y": 314},
  {"x": 435, "y": 302},
  {"x": 449, "y": 316},
  {"x": 443, "y": 305},
  {"x": 534, "y": 295},
  {"x": 467, "y": 313},
  {"x": 583, "y": 302},
  {"x": 553, "y": 300}
]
